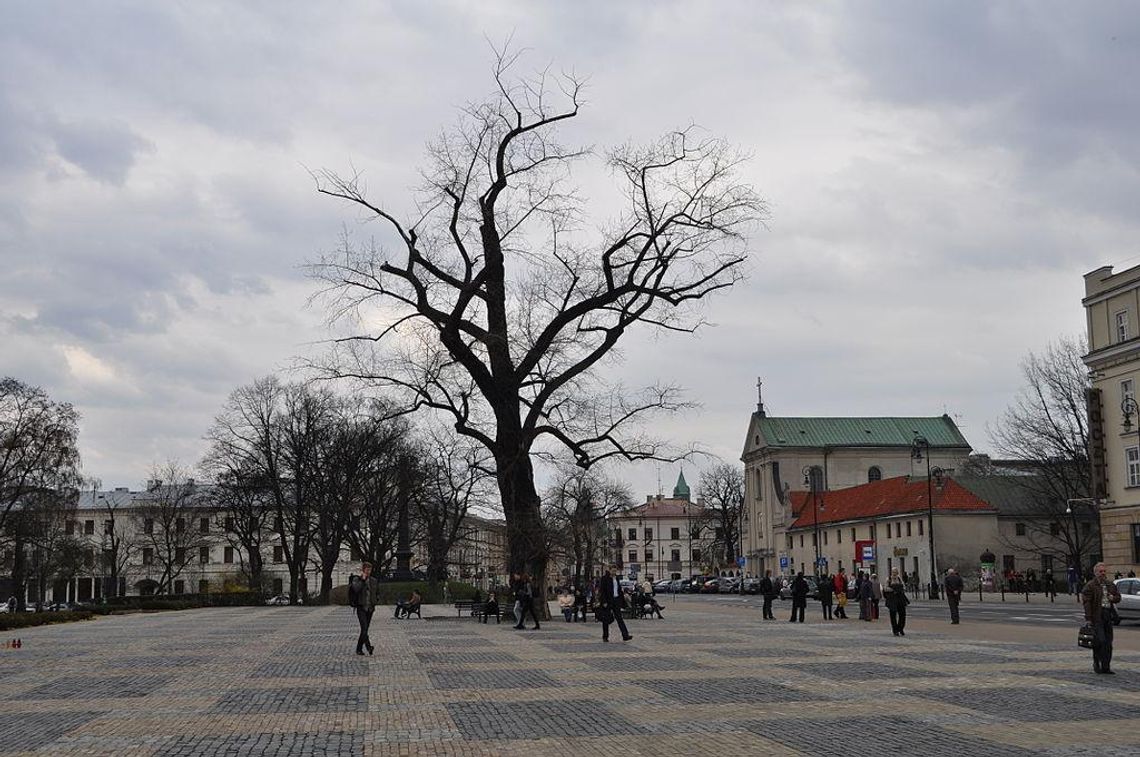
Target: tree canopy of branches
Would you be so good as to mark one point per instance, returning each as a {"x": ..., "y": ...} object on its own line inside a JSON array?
[
  {"x": 167, "y": 522},
  {"x": 495, "y": 306},
  {"x": 722, "y": 490},
  {"x": 578, "y": 505},
  {"x": 38, "y": 451},
  {"x": 1047, "y": 425}
]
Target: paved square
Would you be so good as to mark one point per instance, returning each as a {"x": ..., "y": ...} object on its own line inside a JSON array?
[{"x": 705, "y": 681}]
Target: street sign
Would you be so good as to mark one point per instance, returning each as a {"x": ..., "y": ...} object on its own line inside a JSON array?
[
  {"x": 741, "y": 561},
  {"x": 785, "y": 561},
  {"x": 822, "y": 562},
  {"x": 634, "y": 568},
  {"x": 868, "y": 553}
]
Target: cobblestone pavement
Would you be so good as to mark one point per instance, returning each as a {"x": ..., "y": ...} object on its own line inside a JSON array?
[{"x": 284, "y": 681}]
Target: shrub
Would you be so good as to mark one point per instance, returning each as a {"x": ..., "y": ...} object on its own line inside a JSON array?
[
  {"x": 390, "y": 591},
  {"x": 13, "y": 620}
]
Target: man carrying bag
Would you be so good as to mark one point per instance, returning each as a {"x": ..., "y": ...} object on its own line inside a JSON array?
[{"x": 1098, "y": 597}]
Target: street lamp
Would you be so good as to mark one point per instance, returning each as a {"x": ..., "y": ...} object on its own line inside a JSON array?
[
  {"x": 1094, "y": 506},
  {"x": 916, "y": 452},
  {"x": 811, "y": 478},
  {"x": 1129, "y": 408}
]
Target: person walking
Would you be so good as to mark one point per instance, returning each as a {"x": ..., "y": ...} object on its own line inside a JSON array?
[
  {"x": 876, "y": 595},
  {"x": 799, "y": 598},
  {"x": 953, "y": 586},
  {"x": 612, "y": 600},
  {"x": 363, "y": 592},
  {"x": 1099, "y": 597},
  {"x": 579, "y": 604},
  {"x": 768, "y": 591},
  {"x": 894, "y": 594},
  {"x": 839, "y": 585},
  {"x": 865, "y": 596},
  {"x": 524, "y": 596},
  {"x": 566, "y": 603},
  {"x": 826, "y": 587},
  {"x": 1072, "y": 577}
]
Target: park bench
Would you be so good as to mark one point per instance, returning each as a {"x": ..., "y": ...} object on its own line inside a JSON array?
[
  {"x": 405, "y": 611},
  {"x": 469, "y": 606}
]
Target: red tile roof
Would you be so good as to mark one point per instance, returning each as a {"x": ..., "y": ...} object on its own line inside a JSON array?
[
  {"x": 891, "y": 496},
  {"x": 665, "y": 508}
]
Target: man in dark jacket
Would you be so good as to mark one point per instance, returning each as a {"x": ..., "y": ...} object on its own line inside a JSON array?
[
  {"x": 364, "y": 589},
  {"x": 825, "y": 589},
  {"x": 954, "y": 586},
  {"x": 799, "y": 598},
  {"x": 1098, "y": 597},
  {"x": 768, "y": 591},
  {"x": 612, "y": 600}
]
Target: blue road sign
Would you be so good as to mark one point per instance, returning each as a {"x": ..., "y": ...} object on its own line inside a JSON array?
[
  {"x": 740, "y": 561},
  {"x": 785, "y": 561}
]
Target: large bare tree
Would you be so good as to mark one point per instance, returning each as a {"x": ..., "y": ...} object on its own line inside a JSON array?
[
  {"x": 1046, "y": 427},
  {"x": 578, "y": 505},
  {"x": 167, "y": 522},
  {"x": 495, "y": 305}
]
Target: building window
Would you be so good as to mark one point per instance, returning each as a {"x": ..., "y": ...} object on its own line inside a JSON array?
[
  {"x": 801, "y": 540},
  {"x": 229, "y": 525},
  {"x": 1008, "y": 564},
  {"x": 203, "y": 525},
  {"x": 815, "y": 479},
  {"x": 179, "y": 586},
  {"x": 148, "y": 556},
  {"x": 760, "y": 484},
  {"x": 649, "y": 534},
  {"x": 1122, "y": 326},
  {"x": 278, "y": 524},
  {"x": 203, "y": 555},
  {"x": 675, "y": 555},
  {"x": 648, "y": 556},
  {"x": 1132, "y": 462},
  {"x": 674, "y": 533},
  {"x": 853, "y": 537},
  {"x": 839, "y": 536},
  {"x": 633, "y": 534},
  {"x": 180, "y": 555},
  {"x": 1127, "y": 390},
  {"x": 278, "y": 586},
  {"x": 278, "y": 554},
  {"x": 874, "y": 473},
  {"x": 1019, "y": 528},
  {"x": 89, "y": 527},
  {"x": 229, "y": 554},
  {"x": 908, "y": 528},
  {"x": 148, "y": 526},
  {"x": 179, "y": 525},
  {"x": 825, "y": 538},
  {"x": 696, "y": 555},
  {"x": 108, "y": 527},
  {"x": 1054, "y": 529},
  {"x": 920, "y": 527},
  {"x": 1136, "y": 542},
  {"x": 633, "y": 555},
  {"x": 69, "y": 527},
  {"x": 203, "y": 586},
  {"x": 871, "y": 532}
]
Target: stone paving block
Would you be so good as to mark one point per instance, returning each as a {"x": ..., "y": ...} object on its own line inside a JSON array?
[
  {"x": 1019, "y": 704},
  {"x": 727, "y": 690},
  {"x": 527, "y": 720},
  {"x": 332, "y": 668},
  {"x": 861, "y": 671},
  {"x": 884, "y": 735},
  {"x": 491, "y": 679},
  {"x": 646, "y": 663},
  {"x": 461, "y": 656},
  {"x": 86, "y": 686},
  {"x": 322, "y": 699},
  {"x": 265, "y": 745},
  {"x": 20, "y": 731}
]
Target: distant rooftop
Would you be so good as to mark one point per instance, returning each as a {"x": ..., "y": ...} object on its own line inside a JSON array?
[{"x": 939, "y": 431}]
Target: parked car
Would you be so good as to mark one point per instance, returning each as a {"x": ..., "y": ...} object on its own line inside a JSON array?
[
  {"x": 280, "y": 599},
  {"x": 662, "y": 586},
  {"x": 1129, "y": 606},
  {"x": 61, "y": 607},
  {"x": 813, "y": 588},
  {"x": 711, "y": 586},
  {"x": 729, "y": 585},
  {"x": 752, "y": 585},
  {"x": 677, "y": 585}
]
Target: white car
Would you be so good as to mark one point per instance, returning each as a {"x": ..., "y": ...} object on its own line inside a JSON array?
[
  {"x": 1129, "y": 606},
  {"x": 280, "y": 599}
]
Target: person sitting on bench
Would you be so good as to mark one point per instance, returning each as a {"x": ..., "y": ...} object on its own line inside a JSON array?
[
  {"x": 405, "y": 609},
  {"x": 491, "y": 607}
]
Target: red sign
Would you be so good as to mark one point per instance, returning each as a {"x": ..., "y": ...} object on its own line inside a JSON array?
[{"x": 865, "y": 551}]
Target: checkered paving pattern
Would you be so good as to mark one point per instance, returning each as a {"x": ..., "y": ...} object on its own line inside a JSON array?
[{"x": 285, "y": 681}]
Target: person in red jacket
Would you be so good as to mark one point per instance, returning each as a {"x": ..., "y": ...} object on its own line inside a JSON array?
[{"x": 840, "y": 583}]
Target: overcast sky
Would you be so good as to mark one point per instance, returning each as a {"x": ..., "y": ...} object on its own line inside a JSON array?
[{"x": 940, "y": 175}]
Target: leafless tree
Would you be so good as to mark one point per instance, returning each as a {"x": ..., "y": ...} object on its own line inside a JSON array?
[
  {"x": 496, "y": 305},
  {"x": 1047, "y": 426},
  {"x": 47, "y": 547},
  {"x": 38, "y": 450},
  {"x": 578, "y": 506},
  {"x": 722, "y": 490},
  {"x": 244, "y": 515},
  {"x": 168, "y": 520},
  {"x": 119, "y": 541}
]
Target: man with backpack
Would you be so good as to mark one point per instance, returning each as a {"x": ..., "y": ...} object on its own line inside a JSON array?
[{"x": 363, "y": 591}]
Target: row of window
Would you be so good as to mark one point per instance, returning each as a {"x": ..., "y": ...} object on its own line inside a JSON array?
[
  {"x": 71, "y": 527},
  {"x": 872, "y": 530},
  {"x": 674, "y": 556},
  {"x": 674, "y": 533}
]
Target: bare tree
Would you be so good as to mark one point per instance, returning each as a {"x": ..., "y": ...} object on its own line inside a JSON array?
[
  {"x": 119, "y": 541},
  {"x": 47, "y": 547},
  {"x": 167, "y": 522},
  {"x": 457, "y": 478},
  {"x": 578, "y": 506},
  {"x": 1047, "y": 426},
  {"x": 244, "y": 514},
  {"x": 722, "y": 490},
  {"x": 38, "y": 450},
  {"x": 497, "y": 306}
]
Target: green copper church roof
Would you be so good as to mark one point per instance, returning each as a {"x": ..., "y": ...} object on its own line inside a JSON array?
[
  {"x": 681, "y": 490},
  {"x": 859, "y": 432}
]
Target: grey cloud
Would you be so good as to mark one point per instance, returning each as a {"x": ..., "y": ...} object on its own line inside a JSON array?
[{"x": 105, "y": 150}]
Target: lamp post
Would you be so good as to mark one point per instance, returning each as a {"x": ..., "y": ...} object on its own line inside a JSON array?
[
  {"x": 916, "y": 452},
  {"x": 811, "y": 479},
  {"x": 1094, "y": 506}
]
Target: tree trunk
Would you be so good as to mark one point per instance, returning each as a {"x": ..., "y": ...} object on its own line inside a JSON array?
[
  {"x": 526, "y": 537},
  {"x": 256, "y": 570},
  {"x": 19, "y": 567}
]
